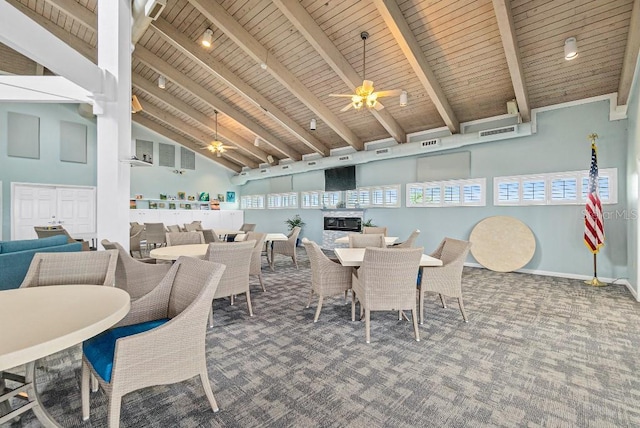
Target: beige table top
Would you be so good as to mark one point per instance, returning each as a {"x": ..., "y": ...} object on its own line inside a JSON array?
[
  {"x": 502, "y": 243},
  {"x": 388, "y": 240},
  {"x": 39, "y": 321},
  {"x": 354, "y": 257}
]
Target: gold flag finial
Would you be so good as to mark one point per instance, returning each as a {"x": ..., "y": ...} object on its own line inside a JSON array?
[{"x": 593, "y": 137}]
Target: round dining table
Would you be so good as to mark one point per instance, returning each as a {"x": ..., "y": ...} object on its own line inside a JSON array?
[{"x": 40, "y": 321}]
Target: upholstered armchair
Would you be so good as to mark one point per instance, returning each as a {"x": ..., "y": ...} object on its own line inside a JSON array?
[
  {"x": 409, "y": 242},
  {"x": 328, "y": 278},
  {"x": 386, "y": 281},
  {"x": 161, "y": 341},
  {"x": 357, "y": 240},
  {"x": 236, "y": 256},
  {"x": 375, "y": 230},
  {"x": 184, "y": 238},
  {"x": 286, "y": 248},
  {"x": 446, "y": 280},
  {"x": 256, "y": 255},
  {"x": 135, "y": 277}
]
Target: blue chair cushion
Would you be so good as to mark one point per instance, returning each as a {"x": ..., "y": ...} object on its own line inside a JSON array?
[{"x": 100, "y": 350}]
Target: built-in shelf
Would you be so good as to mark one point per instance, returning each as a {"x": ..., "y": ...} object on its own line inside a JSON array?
[{"x": 136, "y": 162}]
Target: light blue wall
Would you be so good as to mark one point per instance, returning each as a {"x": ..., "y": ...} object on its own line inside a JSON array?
[
  {"x": 153, "y": 180},
  {"x": 633, "y": 165},
  {"x": 48, "y": 169},
  {"x": 148, "y": 181},
  {"x": 561, "y": 144}
]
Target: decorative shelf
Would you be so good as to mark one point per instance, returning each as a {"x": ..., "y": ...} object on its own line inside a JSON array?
[{"x": 136, "y": 162}]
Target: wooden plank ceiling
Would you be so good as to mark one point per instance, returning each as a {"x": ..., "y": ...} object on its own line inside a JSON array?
[{"x": 458, "y": 60}]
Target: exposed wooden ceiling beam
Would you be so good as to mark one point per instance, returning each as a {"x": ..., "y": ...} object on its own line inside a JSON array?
[
  {"x": 204, "y": 137},
  {"x": 512, "y": 52},
  {"x": 76, "y": 11},
  {"x": 174, "y": 136},
  {"x": 411, "y": 49},
  {"x": 215, "y": 13},
  {"x": 185, "y": 45},
  {"x": 182, "y": 107},
  {"x": 307, "y": 26},
  {"x": 205, "y": 95},
  {"x": 630, "y": 55}
]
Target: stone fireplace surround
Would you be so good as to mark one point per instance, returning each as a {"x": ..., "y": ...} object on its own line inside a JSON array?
[{"x": 329, "y": 236}]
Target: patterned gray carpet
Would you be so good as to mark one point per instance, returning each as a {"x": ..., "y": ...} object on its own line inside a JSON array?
[{"x": 537, "y": 351}]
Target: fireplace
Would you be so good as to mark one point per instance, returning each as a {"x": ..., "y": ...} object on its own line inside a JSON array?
[{"x": 347, "y": 224}]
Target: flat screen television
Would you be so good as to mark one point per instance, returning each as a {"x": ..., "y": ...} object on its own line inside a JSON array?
[{"x": 343, "y": 178}]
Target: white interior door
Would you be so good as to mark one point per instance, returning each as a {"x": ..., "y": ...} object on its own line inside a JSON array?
[{"x": 76, "y": 209}]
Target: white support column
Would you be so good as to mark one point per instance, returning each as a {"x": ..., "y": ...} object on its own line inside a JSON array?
[{"x": 114, "y": 122}]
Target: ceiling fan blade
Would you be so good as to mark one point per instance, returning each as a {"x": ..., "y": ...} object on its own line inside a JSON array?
[
  {"x": 378, "y": 106},
  {"x": 391, "y": 93},
  {"x": 229, "y": 147},
  {"x": 347, "y": 107},
  {"x": 341, "y": 95}
]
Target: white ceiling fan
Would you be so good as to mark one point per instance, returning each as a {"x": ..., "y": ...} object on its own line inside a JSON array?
[
  {"x": 217, "y": 146},
  {"x": 365, "y": 95}
]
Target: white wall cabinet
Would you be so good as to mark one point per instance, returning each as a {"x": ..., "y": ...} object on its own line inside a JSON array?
[{"x": 211, "y": 219}]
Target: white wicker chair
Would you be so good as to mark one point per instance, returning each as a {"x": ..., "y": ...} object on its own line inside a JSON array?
[
  {"x": 236, "y": 256},
  {"x": 156, "y": 234},
  {"x": 174, "y": 228},
  {"x": 328, "y": 278},
  {"x": 210, "y": 236},
  {"x": 409, "y": 242},
  {"x": 193, "y": 226},
  {"x": 375, "y": 230},
  {"x": 386, "y": 280},
  {"x": 446, "y": 280},
  {"x": 160, "y": 341},
  {"x": 256, "y": 255},
  {"x": 84, "y": 267},
  {"x": 357, "y": 240},
  {"x": 286, "y": 248},
  {"x": 184, "y": 238}
]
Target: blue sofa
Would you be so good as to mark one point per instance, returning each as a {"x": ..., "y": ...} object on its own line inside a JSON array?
[{"x": 16, "y": 256}]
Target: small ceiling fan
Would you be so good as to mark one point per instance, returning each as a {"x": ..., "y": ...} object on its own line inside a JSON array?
[
  {"x": 365, "y": 95},
  {"x": 216, "y": 146}
]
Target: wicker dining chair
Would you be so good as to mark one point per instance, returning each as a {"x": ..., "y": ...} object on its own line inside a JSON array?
[
  {"x": 409, "y": 242},
  {"x": 386, "y": 281},
  {"x": 236, "y": 257},
  {"x": 358, "y": 240},
  {"x": 174, "y": 228},
  {"x": 256, "y": 255},
  {"x": 248, "y": 227},
  {"x": 136, "y": 236},
  {"x": 156, "y": 234},
  {"x": 286, "y": 248},
  {"x": 446, "y": 280},
  {"x": 328, "y": 278},
  {"x": 46, "y": 231},
  {"x": 210, "y": 236},
  {"x": 161, "y": 340},
  {"x": 375, "y": 230},
  {"x": 84, "y": 267},
  {"x": 135, "y": 277},
  {"x": 194, "y": 226},
  {"x": 184, "y": 238}
]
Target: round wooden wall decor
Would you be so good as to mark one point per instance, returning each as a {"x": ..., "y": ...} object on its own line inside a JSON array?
[{"x": 502, "y": 244}]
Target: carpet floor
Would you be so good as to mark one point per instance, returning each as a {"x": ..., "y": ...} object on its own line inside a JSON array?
[{"x": 537, "y": 351}]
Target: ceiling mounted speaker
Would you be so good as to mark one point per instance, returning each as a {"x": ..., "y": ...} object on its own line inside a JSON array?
[{"x": 153, "y": 8}]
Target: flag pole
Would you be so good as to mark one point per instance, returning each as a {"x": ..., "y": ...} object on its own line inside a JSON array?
[{"x": 595, "y": 282}]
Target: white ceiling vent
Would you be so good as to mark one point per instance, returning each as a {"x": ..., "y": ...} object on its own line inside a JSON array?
[
  {"x": 430, "y": 143},
  {"x": 344, "y": 158},
  {"x": 501, "y": 132},
  {"x": 312, "y": 163},
  {"x": 285, "y": 166},
  {"x": 264, "y": 171},
  {"x": 384, "y": 151}
]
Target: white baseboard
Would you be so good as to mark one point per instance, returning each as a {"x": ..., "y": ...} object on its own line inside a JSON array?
[{"x": 625, "y": 282}]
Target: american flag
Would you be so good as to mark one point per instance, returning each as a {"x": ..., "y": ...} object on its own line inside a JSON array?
[{"x": 593, "y": 222}]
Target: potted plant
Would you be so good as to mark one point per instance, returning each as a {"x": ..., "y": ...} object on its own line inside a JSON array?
[
  {"x": 296, "y": 220},
  {"x": 368, "y": 223}
]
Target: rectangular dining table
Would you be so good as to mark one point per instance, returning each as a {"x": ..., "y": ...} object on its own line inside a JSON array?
[
  {"x": 355, "y": 256},
  {"x": 388, "y": 240}
]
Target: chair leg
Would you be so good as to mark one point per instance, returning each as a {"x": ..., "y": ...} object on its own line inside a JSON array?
[
  {"x": 414, "y": 315},
  {"x": 249, "y": 303},
  {"x": 367, "y": 324},
  {"x": 113, "y": 419},
  {"x": 399, "y": 315},
  {"x": 94, "y": 383},
  {"x": 204, "y": 378},
  {"x": 295, "y": 259},
  {"x": 444, "y": 304},
  {"x": 310, "y": 298},
  {"x": 261, "y": 282},
  {"x": 464, "y": 315},
  {"x": 211, "y": 317},
  {"x": 353, "y": 305},
  {"x": 421, "y": 306},
  {"x": 84, "y": 392},
  {"x": 315, "y": 319},
  {"x": 232, "y": 298}
]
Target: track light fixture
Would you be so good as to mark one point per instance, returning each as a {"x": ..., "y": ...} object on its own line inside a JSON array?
[
  {"x": 162, "y": 82},
  {"x": 207, "y": 38},
  {"x": 570, "y": 49},
  {"x": 312, "y": 125},
  {"x": 256, "y": 142},
  {"x": 403, "y": 98}
]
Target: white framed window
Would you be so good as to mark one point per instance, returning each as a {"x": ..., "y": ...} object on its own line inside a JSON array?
[
  {"x": 252, "y": 202},
  {"x": 282, "y": 200},
  {"x": 375, "y": 196},
  {"x": 557, "y": 188},
  {"x": 450, "y": 193},
  {"x": 310, "y": 200},
  {"x": 331, "y": 199}
]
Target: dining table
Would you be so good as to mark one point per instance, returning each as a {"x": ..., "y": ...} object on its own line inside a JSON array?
[
  {"x": 388, "y": 240},
  {"x": 354, "y": 257},
  {"x": 40, "y": 321}
]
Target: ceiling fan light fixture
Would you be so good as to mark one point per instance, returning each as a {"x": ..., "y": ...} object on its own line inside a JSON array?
[
  {"x": 207, "y": 38},
  {"x": 570, "y": 49},
  {"x": 403, "y": 98}
]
